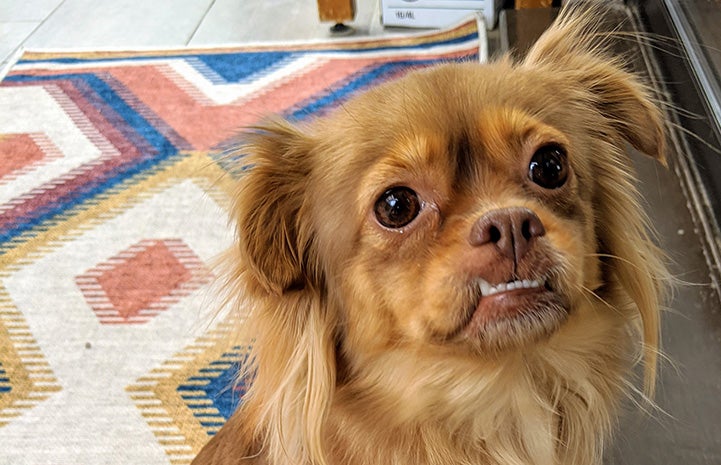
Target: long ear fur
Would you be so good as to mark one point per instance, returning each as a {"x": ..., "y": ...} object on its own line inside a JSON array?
[
  {"x": 575, "y": 48},
  {"x": 275, "y": 242},
  {"x": 292, "y": 361}
]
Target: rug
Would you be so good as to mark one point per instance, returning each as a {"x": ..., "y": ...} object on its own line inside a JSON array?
[{"x": 112, "y": 209}]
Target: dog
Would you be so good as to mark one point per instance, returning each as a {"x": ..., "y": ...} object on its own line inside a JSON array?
[{"x": 452, "y": 268}]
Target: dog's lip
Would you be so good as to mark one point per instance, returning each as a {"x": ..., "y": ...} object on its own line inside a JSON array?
[{"x": 512, "y": 300}]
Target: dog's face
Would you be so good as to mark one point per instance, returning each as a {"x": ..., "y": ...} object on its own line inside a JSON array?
[
  {"x": 441, "y": 227},
  {"x": 467, "y": 216}
]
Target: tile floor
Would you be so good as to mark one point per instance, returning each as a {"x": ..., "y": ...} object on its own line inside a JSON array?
[{"x": 128, "y": 24}]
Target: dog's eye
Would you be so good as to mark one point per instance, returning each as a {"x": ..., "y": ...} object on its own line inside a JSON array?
[
  {"x": 397, "y": 207},
  {"x": 549, "y": 167}
]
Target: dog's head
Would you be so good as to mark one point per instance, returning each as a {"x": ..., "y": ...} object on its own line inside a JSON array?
[{"x": 461, "y": 216}]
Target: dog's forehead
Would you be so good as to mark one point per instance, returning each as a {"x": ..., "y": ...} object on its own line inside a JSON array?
[
  {"x": 482, "y": 102},
  {"x": 464, "y": 90},
  {"x": 418, "y": 120}
]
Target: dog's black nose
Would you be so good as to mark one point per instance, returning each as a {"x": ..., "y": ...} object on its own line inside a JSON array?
[{"x": 511, "y": 230}]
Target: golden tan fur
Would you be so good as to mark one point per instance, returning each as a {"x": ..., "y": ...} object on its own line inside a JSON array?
[{"x": 362, "y": 352}]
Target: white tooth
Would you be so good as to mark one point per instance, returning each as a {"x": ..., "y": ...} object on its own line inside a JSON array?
[{"x": 485, "y": 287}]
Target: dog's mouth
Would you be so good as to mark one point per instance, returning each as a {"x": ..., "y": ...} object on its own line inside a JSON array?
[{"x": 513, "y": 313}]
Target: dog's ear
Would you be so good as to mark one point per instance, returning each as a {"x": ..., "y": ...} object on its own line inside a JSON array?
[
  {"x": 274, "y": 235},
  {"x": 275, "y": 278},
  {"x": 577, "y": 48}
]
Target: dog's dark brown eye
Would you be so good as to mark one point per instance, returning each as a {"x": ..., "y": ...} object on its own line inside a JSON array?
[
  {"x": 549, "y": 167},
  {"x": 397, "y": 207}
]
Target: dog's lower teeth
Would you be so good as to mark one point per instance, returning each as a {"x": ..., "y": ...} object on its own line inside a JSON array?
[{"x": 487, "y": 289}]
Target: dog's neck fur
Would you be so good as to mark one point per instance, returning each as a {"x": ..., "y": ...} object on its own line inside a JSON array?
[{"x": 537, "y": 407}]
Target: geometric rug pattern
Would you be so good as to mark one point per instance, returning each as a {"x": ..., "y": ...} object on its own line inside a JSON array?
[
  {"x": 142, "y": 281},
  {"x": 190, "y": 396},
  {"x": 113, "y": 208}
]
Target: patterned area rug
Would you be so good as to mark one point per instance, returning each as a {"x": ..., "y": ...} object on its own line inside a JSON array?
[{"x": 112, "y": 209}]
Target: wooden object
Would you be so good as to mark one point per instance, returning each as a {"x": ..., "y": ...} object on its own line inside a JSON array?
[
  {"x": 520, "y": 4},
  {"x": 337, "y": 11}
]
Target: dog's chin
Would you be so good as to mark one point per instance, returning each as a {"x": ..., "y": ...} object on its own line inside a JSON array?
[{"x": 514, "y": 318}]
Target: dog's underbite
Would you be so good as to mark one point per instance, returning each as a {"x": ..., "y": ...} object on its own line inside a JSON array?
[{"x": 453, "y": 268}]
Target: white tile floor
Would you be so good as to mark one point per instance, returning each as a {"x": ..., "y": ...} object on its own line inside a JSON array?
[{"x": 128, "y": 24}]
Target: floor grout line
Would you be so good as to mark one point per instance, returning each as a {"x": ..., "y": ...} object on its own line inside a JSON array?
[
  {"x": 200, "y": 23},
  {"x": 15, "y": 54},
  {"x": 38, "y": 26}
]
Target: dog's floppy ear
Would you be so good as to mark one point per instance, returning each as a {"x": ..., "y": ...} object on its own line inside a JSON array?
[
  {"x": 576, "y": 48},
  {"x": 274, "y": 242},
  {"x": 275, "y": 263}
]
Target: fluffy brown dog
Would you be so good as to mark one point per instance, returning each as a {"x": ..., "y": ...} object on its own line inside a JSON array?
[{"x": 452, "y": 269}]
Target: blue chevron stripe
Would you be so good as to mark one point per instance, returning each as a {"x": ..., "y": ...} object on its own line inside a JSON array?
[
  {"x": 5, "y": 385},
  {"x": 239, "y": 67},
  {"x": 215, "y": 386},
  {"x": 128, "y": 121}
]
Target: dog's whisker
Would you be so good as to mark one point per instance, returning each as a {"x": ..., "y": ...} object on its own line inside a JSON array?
[
  {"x": 622, "y": 259},
  {"x": 588, "y": 294},
  {"x": 642, "y": 402}
]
